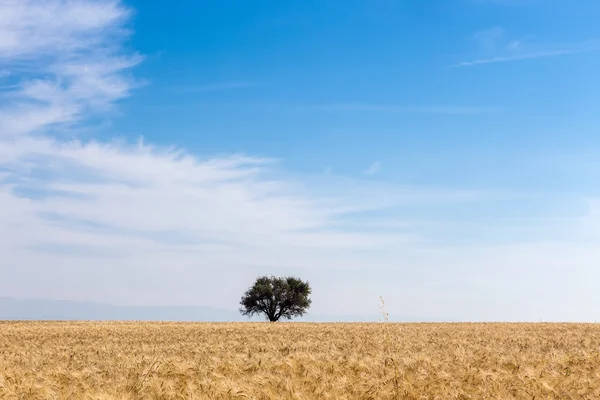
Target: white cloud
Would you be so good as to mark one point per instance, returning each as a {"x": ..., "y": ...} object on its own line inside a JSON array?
[
  {"x": 68, "y": 58},
  {"x": 518, "y": 57},
  {"x": 136, "y": 224},
  {"x": 495, "y": 47},
  {"x": 57, "y": 28},
  {"x": 373, "y": 168}
]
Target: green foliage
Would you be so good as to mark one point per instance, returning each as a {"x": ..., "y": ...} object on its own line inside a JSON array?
[{"x": 276, "y": 298}]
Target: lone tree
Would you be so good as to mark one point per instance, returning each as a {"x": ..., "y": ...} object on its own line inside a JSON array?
[{"x": 276, "y": 298}]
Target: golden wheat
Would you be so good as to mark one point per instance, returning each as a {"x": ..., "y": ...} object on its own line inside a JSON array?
[{"x": 121, "y": 360}]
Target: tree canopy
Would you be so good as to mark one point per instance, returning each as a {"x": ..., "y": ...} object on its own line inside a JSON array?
[{"x": 276, "y": 298}]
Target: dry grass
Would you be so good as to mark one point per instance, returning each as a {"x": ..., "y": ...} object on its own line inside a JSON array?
[{"x": 298, "y": 361}]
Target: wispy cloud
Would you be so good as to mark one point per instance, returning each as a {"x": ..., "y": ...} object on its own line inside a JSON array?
[
  {"x": 220, "y": 86},
  {"x": 525, "y": 56},
  {"x": 43, "y": 29},
  {"x": 373, "y": 168},
  {"x": 68, "y": 58},
  {"x": 495, "y": 47},
  {"x": 402, "y": 109}
]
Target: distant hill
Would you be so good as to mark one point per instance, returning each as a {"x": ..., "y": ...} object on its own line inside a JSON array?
[{"x": 44, "y": 309}]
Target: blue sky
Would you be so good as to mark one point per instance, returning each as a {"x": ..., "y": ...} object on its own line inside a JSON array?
[
  {"x": 443, "y": 153},
  {"x": 376, "y": 81}
]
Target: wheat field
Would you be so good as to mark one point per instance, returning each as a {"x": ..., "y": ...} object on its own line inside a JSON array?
[{"x": 128, "y": 360}]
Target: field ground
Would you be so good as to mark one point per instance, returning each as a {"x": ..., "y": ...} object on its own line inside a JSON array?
[{"x": 127, "y": 360}]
